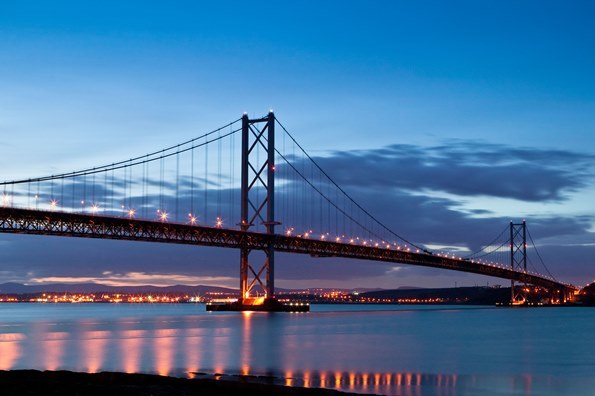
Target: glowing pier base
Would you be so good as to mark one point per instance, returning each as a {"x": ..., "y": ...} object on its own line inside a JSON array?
[{"x": 259, "y": 304}]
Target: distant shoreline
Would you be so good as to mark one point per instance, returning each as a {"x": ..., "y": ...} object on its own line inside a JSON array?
[{"x": 35, "y": 382}]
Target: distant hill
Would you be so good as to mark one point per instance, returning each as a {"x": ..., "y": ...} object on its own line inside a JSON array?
[{"x": 587, "y": 295}]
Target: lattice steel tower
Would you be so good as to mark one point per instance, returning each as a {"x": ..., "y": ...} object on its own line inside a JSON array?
[
  {"x": 258, "y": 140},
  {"x": 518, "y": 257}
]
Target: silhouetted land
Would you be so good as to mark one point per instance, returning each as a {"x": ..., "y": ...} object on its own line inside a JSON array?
[
  {"x": 478, "y": 295},
  {"x": 587, "y": 295},
  {"x": 457, "y": 295},
  {"x": 33, "y": 382}
]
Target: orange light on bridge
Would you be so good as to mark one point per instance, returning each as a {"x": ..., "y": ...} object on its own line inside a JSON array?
[
  {"x": 94, "y": 208},
  {"x": 131, "y": 213},
  {"x": 163, "y": 215},
  {"x": 253, "y": 300},
  {"x": 219, "y": 222},
  {"x": 53, "y": 203},
  {"x": 192, "y": 219}
]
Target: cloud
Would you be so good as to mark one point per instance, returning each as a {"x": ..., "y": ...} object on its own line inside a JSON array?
[
  {"x": 463, "y": 168},
  {"x": 139, "y": 279},
  {"x": 395, "y": 183}
]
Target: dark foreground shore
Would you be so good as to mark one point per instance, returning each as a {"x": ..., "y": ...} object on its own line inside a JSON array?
[{"x": 34, "y": 382}]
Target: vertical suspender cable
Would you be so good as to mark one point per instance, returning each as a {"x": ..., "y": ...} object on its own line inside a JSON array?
[
  {"x": 206, "y": 178},
  {"x": 192, "y": 181},
  {"x": 176, "y": 215},
  {"x": 161, "y": 176},
  {"x": 62, "y": 203},
  {"x": 104, "y": 201},
  {"x": 219, "y": 149},
  {"x": 231, "y": 183}
]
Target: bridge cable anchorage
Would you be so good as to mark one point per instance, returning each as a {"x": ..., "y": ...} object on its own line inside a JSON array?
[{"x": 382, "y": 225}]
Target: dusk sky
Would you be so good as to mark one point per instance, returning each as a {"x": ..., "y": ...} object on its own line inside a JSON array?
[{"x": 445, "y": 119}]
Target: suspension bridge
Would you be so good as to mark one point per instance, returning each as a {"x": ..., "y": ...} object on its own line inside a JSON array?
[{"x": 240, "y": 186}]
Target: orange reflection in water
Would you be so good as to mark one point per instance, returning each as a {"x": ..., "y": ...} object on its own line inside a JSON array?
[
  {"x": 337, "y": 380},
  {"x": 53, "y": 347},
  {"x": 192, "y": 349},
  {"x": 164, "y": 344},
  {"x": 406, "y": 384},
  {"x": 131, "y": 342},
  {"x": 221, "y": 351},
  {"x": 93, "y": 344},
  {"x": 306, "y": 378},
  {"x": 288, "y": 378},
  {"x": 388, "y": 379},
  {"x": 528, "y": 384},
  {"x": 246, "y": 342},
  {"x": 10, "y": 349},
  {"x": 323, "y": 380}
]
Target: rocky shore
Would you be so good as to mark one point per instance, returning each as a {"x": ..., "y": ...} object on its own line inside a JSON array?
[{"x": 34, "y": 382}]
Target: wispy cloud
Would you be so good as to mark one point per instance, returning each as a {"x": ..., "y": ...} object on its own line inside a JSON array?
[
  {"x": 139, "y": 278},
  {"x": 464, "y": 168}
]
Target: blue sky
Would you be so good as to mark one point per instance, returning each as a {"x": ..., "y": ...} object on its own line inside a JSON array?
[{"x": 82, "y": 85}]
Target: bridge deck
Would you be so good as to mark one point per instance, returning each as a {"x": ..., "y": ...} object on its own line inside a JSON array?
[{"x": 35, "y": 222}]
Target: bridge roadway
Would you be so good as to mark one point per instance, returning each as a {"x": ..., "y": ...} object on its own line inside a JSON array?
[{"x": 37, "y": 222}]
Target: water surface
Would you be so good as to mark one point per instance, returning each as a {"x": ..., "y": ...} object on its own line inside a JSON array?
[{"x": 383, "y": 349}]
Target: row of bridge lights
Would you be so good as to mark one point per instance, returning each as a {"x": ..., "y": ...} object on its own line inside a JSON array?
[
  {"x": 192, "y": 219},
  {"x": 352, "y": 241},
  {"x": 371, "y": 243},
  {"x": 163, "y": 216}
]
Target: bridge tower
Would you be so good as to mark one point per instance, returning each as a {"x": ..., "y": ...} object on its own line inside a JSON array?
[
  {"x": 258, "y": 142},
  {"x": 256, "y": 208},
  {"x": 518, "y": 258}
]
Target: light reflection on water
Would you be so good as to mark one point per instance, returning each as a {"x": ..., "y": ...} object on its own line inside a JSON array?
[{"x": 410, "y": 351}]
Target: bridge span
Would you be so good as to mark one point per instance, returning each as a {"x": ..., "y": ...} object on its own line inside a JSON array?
[
  {"x": 38, "y": 222},
  {"x": 159, "y": 197}
]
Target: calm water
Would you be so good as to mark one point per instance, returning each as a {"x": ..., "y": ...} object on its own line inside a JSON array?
[{"x": 396, "y": 350}]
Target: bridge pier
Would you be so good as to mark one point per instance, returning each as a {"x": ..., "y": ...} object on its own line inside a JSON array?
[{"x": 566, "y": 296}]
